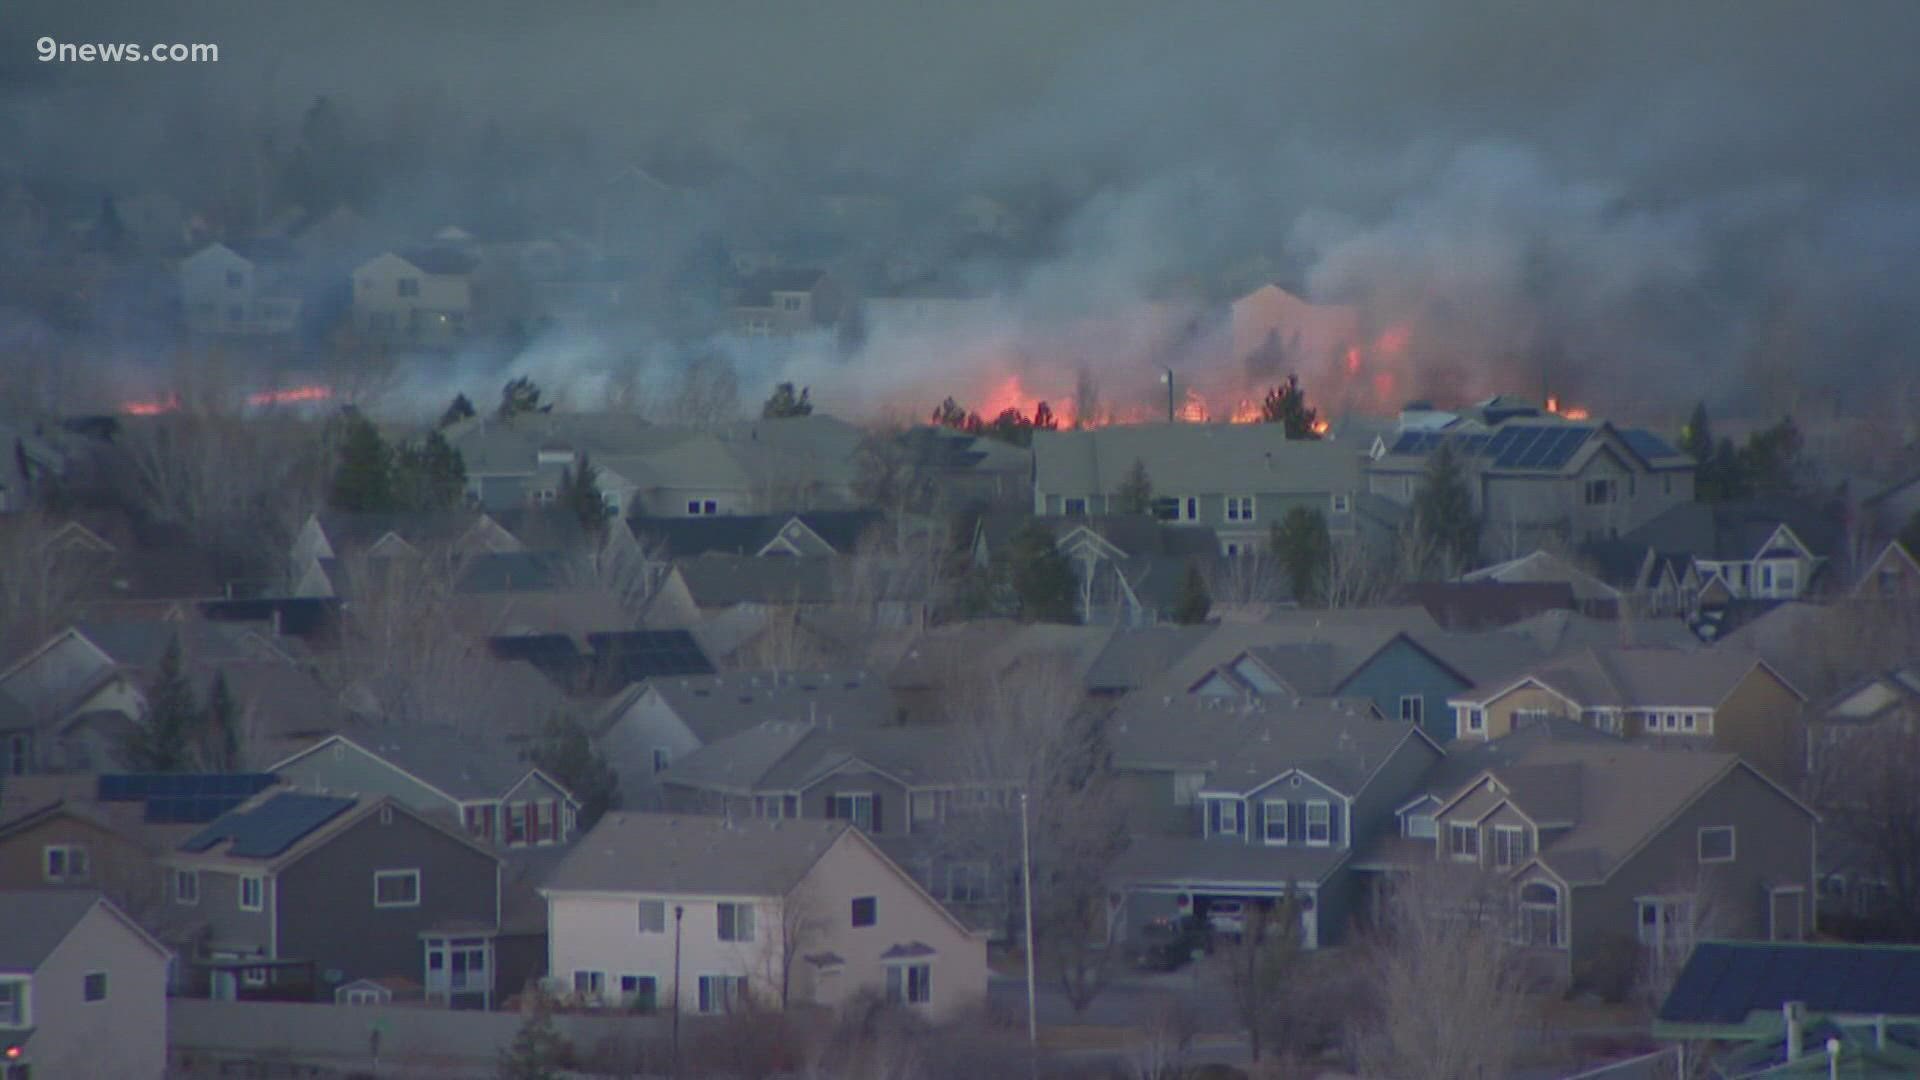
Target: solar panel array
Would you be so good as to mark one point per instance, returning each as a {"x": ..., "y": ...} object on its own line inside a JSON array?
[
  {"x": 1724, "y": 981},
  {"x": 1519, "y": 446},
  {"x": 270, "y": 828},
  {"x": 182, "y": 798},
  {"x": 653, "y": 652}
]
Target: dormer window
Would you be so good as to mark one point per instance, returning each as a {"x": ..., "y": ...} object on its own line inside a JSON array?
[
  {"x": 1418, "y": 826},
  {"x": 1463, "y": 842}
]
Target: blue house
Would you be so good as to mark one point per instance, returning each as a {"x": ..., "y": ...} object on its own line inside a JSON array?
[{"x": 1410, "y": 679}]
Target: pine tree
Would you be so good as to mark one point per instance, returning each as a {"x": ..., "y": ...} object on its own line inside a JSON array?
[
  {"x": 520, "y": 396},
  {"x": 1286, "y": 405},
  {"x": 1442, "y": 514},
  {"x": 567, "y": 755},
  {"x": 1042, "y": 579},
  {"x": 220, "y": 739},
  {"x": 163, "y": 742},
  {"x": 1301, "y": 543},
  {"x": 580, "y": 495},
  {"x": 538, "y": 1050},
  {"x": 363, "y": 478},
  {"x": 1135, "y": 493},
  {"x": 429, "y": 475},
  {"x": 1195, "y": 602},
  {"x": 1696, "y": 439},
  {"x": 1770, "y": 462},
  {"x": 457, "y": 410},
  {"x": 785, "y": 403}
]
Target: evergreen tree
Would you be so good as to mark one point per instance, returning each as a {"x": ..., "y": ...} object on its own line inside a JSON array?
[
  {"x": 1286, "y": 405},
  {"x": 538, "y": 1050},
  {"x": 457, "y": 410},
  {"x": 1442, "y": 515},
  {"x": 1301, "y": 543},
  {"x": 220, "y": 738},
  {"x": 1696, "y": 439},
  {"x": 363, "y": 478},
  {"x": 429, "y": 475},
  {"x": 1135, "y": 493},
  {"x": 520, "y": 396},
  {"x": 1770, "y": 462},
  {"x": 785, "y": 402},
  {"x": 163, "y": 743},
  {"x": 1043, "y": 581},
  {"x": 1723, "y": 477},
  {"x": 1195, "y": 602},
  {"x": 580, "y": 495},
  {"x": 567, "y": 755}
]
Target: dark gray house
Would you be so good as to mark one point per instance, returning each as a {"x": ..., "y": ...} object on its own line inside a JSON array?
[
  {"x": 300, "y": 893},
  {"x": 1246, "y": 801}
]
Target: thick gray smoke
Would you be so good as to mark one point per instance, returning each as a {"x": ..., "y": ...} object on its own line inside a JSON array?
[{"x": 1632, "y": 203}]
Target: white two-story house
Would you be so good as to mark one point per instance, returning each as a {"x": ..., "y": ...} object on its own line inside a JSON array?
[{"x": 422, "y": 298}]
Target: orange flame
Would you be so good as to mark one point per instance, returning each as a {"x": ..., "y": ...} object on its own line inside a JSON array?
[
  {"x": 155, "y": 407},
  {"x": 1320, "y": 427},
  {"x": 1570, "y": 412},
  {"x": 314, "y": 392}
]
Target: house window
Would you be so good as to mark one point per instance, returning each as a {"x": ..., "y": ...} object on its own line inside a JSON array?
[
  {"x": 1540, "y": 915},
  {"x": 396, "y": 888},
  {"x": 1476, "y": 719},
  {"x": 924, "y": 807},
  {"x": 363, "y": 997},
  {"x": 1239, "y": 508},
  {"x": 589, "y": 984},
  {"x": 1191, "y": 506},
  {"x": 186, "y": 887},
  {"x": 1665, "y": 923},
  {"x": 767, "y": 807},
  {"x": 789, "y": 303},
  {"x": 236, "y": 279},
  {"x": 662, "y": 758},
  {"x": 19, "y": 754},
  {"x": 407, "y": 286},
  {"x": 1420, "y": 826},
  {"x": 1526, "y": 717},
  {"x": 856, "y": 807},
  {"x": 653, "y": 916},
  {"x": 967, "y": 882},
  {"x": 1074, "y": 507},
  {"x": 1225, "y": 816},
  {"x": 641, "y": 993},
  {"x": 546, "y": 821},
  {"x": 1716, "y": 844},
  {"x": 253, "y": 890},
  {"x": 702, "y": 507},
  {"x": 865, "y": 910},
  {"x": 463, "y": 962},
  {"x": 1463, "y": 841},
  {"x": 1688, "y": 722},
  {"x": 1166, "y": 509},
  {"x": 1766, "y": 577},
  {"x": 910, "y": 984},
  {"x": 1601, "y": 492},
  {"x": 517, "y": 824},
  {"x": 1785, "y": 580},
  {"x": 1319, "y": 822},
  {"x": 65, "y": 863},
  {"x": 1342, "y": 504},
  {"x": 13, "y": 1003},
  {"x": 1274, "y": 822},
  {"x": 1413, "y": 708},
  {"x": 93, "y": 986},
  {"x": 722, "y": 993},
  {"x": 736, "y": 922},
  {"x": 1511, "y": 846}
]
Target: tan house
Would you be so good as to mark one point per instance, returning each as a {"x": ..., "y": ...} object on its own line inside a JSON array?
[
  {"x": 1706, "y": 698},
  {"x": 783, "y": 302},
  {"x": 83, "y": 990},
  {"x": 738, "y": 912},
  {"x": 422, "y": 298}
]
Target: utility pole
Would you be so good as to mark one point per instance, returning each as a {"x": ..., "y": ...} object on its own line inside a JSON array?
[
  {"x": 678, "y": 912},
  {"x": 1168, "y": 379},
  {"x": 1026, "y": 875}
]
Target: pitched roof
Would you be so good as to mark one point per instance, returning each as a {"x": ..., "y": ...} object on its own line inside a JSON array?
[
  {"x": 1193, "y": 860},
  {"x": 33, "y": 923},
  {"x": 1193, "y": 459},
  {"x": 791, "y": 756},
  {"x": 1243, "y": 745},
  {"x": 1132, "y": 655},
  {"x": 1352, "y": 636},
  {"x": 1629, "y": 678},
  {"x": 462, "y": 764},
  {"x": 724, "y": 580},
  {"x": 748, "y": 534},
  {"x": 268, "y": 827},
  {"x": 1724, "y": 982},
  {"x": 681, "y": 854},
  {"x": 717, "y": 706},
  {"x": 1484, "y": 605},
  {"x": 1737, "y": 530},
  {"x": 441, "y": 260}
]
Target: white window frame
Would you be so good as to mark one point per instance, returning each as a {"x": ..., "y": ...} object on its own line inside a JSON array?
[
  {"x": 627, "y": 996},
  {"x": 86, "y": 981},
  {"x": 1307, "y": 824},
  {"x": 1239, "y": 815},
  {"x": 722, "y": 925},
  {"x": 1074, "y": 506},
  {"x": 1457, "y": 829},
  {"x": 1671, "y": 931},
  {"x": 1417, "y": 713},
  {"x": 1505, "y": 839},
  {"x": 259, "y": 884},
  {"x": 910, "y": 984},
  {"x": 719, "y": 993},
  {"x": 1240, "y": 508},
  {"x": 1413, "y": 829},
  {"x": 854, "y": 800},
  {"x": 1476, "y": 719},
  {"x": 643, "y": 909},
  {"x": 596, "y": 984},
  {"x": 1700, "y": 841},
  {"x": 662, "y": 759},
  {"x": 21, "y": 1003},
  {"x": 71, "y": 856},
  {"x": 1342, "y": 504},
  {"x": 1272, "y": 810},
  {"x": 380, "y": 876},
  {"x": 189, "y": 896},
  {"x": 1525, "y": 929}
]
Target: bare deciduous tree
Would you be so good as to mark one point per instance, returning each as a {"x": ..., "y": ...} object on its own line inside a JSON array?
[
  {"x": 1251, "y": 577},
  {"x": 803, "y": 924},
  {"x": 1446, "y": 995},
  {"x": 42, "y": 582},
  {"x": 1165, "y": 1041},
  {"x": 1258, "y": 965},
  {"x": 1862, "y": 781},
  {"x": 1357, "y": 576}
]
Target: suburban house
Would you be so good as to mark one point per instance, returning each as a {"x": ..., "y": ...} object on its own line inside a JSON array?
[
  {"x": 1251, "y": 802},
  {"x": 226, "y": 293},
  {"x": 763, "y": 466},
  {"x": 1754, "y": 550},
  {"x": 1716, "y": 698},
  {"x": 1861, "y": 731},
  {"x": 603, "y": 664},
  {"x": 1591, "y": 595},
  {"x": 783, "y": 302},
  {"x": 1237, "y": 479},
  {"x": 957, "y": 469},
  {"x": 420, "y": 298},
  {"x": 711, "y": 915},
  {"x": 1536, "y": 477},
  {"x": 83, "y": 989},
  {"x": 1894, "y": 574},
  {"x": 1618, "y": 855},
  {"x": 483, "y": 786},
  {"x": 644, "y": 730},
  {"x": 808, "y": 533},
  {"x": 329, "y": 542},
  {"x": 300, "y": 893},
  {"x": 1130, "y": 569},
  {"x": 1796, "y": 1009}
]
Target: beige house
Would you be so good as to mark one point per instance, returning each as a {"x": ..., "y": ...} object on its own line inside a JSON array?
[
  {"x": 83, "y": 990},
  {"x": 759, "y": 913},
  {"x": 224, "y": 292},
  {"x": 422, "y": 298}
]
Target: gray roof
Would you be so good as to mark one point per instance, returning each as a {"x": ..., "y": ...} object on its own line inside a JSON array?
[
  {"x": 1633, "y": 678},
  {"x": 1736, "y": 530},
  {"x": 724, "y": 580},
  {"x": 1193, "y": 459},
  {"x": 717, "y": 706},
  {"x": 1192, "y": 860},
  {"x": 680, "y": 854},
  {"x": 1352, "y": 636},
  {"x": 1244, "y": 744},
  {"x": 1132, "y": 656},
  {"x": 464, "y": 764},
  {"x": 787, "y": 756},
  {"x": 33, "y": 923}
]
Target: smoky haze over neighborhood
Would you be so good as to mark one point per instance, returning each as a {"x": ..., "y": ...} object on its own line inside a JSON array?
[{"x": 1633, "y": 205}]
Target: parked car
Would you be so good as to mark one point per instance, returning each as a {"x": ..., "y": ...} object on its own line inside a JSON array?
[
  {"x": 1166, "y": 944},
  {"x": 1228, "y": 918}
]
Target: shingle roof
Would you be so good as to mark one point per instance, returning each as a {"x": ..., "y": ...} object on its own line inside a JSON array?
[
  {"x": 1737, "y": 530},
  {"x": 1134, "y": 655},
  {"x": 441, "y": 260},
  {"x": 1193, "y": 459},
  {"x": 1243, "y": 745},
  {"x": 709, "y": 856},
  {"x": 269, "y": 827},
  {"x": 1485, "y": 605},
  {"x": 725, "y": 580},
  {"x": 1197, "y": 861},
  {"x": 717, "y": 706},
  {"x": 1724, "y": 982},
  {"x": 465, "y": 765},
  {"x": 747, "y": 534},
  {"x": 33, "y": 923},
  {"x": 1632, "y": 677}
]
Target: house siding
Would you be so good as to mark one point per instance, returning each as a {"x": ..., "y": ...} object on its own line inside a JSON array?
[
  {"x": 889, "y": 798},
  {"x": 1392, "y": 786},
  {"x": 229, "y": 929},
  {"x": 122, "y": 1036},
  {"x": 326, "y": 908},
  {"x": 121, "y": 869},
  {"x": 342, "y": 769},
  {"x": 1773, "y": 845},
  {"x": 1500, "y": 710},
  {"x": 1402, "y": 670},
  {"x": 629, "y": 742},
  {"x": 1758, "y": 721}
]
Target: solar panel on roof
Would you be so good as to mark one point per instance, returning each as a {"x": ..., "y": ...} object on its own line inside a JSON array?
[{"x": 270, "y": 828}]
